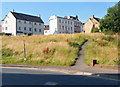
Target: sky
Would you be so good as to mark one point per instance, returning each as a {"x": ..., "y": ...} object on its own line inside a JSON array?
[{"x": 46, "y": 9}]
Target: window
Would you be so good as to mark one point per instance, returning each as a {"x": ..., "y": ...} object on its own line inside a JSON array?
[
  {"x": 63, "y": 27},
  {"x": 45, "y": 31},
  {"x": 19, "y": 28},
  {"x": 60, "y": 26},
  {"x": 35, "y": 23},
  {"x": 66, "y": 27},
  {"x": 59, "y": 21},
  {"x": 62, "y": 21},
  {"x": 29, "y": 29},
  {"x": 5, "y": 28},
  {"x": 39, "y": 30},
  {"x": 71, "y": 23},
  {"x": 68, "y": 22},
  {"x": 39, "y": 23},
  {"x": 65, "y": 22},
  {"x": 25, "y": 22},
  {"x": 71, "y": 28},
  {"x": 24, "y": 28},
  {"x": 6, "y": 22},
  {"x": 29, "y": 22},
  {"x": 35, "y": 29}
]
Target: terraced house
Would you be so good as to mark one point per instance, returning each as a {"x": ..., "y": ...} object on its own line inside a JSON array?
[
  {"x": 66, "y": 24},
  {"x": 18, "y": 23}
]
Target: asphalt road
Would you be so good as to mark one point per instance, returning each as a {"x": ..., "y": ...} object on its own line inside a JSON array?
[{"x": 17, "y": 76}]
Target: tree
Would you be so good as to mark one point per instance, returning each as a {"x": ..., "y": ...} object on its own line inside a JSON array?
[{"x": 111, "y": 21}]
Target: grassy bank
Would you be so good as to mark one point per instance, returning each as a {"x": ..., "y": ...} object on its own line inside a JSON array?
[
  {"x": 103, "y": 48},
  {"x": 60, "y": 50}
]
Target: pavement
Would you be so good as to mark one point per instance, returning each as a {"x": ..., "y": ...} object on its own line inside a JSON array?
[
  {"x": 79, "y": 68},
  {"x": 19, "y": 76}
]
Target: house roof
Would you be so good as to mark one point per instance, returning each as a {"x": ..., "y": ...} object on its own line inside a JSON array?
[
  {"x": 98, "y": 19},
  {"x": 46, "y": 27},
  {"x": 71, "y": 17},
  {"x": 26, "y": 17}
]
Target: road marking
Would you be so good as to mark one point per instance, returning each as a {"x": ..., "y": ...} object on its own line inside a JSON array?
[{"x": 51, "y": 83}]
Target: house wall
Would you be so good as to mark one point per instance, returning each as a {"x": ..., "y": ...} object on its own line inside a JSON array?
[
  {"x": 65, "y": 26},
  {"x": 28, "y": 27},
  {"x": 9, "y": 24},
  {"x": 46, "y": 32},
  {"x": 61, "y": 25},
  {"x": 17, "y": 27},
  {"x": 53, "y": 25},
  {"x": 90, "y": 24},
  {"x": 78, "y": 27}
]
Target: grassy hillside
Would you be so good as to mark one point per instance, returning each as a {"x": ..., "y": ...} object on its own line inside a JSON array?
[
  {"x": 103, "y": 48},
  {"x": 42, "y": 50},
  {"x": 59, "y": 50}
]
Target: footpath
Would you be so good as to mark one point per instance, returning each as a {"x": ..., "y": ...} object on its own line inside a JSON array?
[{"x": 79, "y": 68}]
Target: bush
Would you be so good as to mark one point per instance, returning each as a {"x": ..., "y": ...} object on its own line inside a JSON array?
[
  {"x": 108, "y": 32},
  {"x": 94, "y": 30},
  {"x": 102, "y": 43},
  {"x": 6, "y": 52},
  {"x": 108, "y": 38},
  {"x": 74, "y": 44}
]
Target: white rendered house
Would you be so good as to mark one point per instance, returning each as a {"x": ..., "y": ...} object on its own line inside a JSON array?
[
  {"x": 17, "y": 24},
  {"x": 65, "y": 24}
]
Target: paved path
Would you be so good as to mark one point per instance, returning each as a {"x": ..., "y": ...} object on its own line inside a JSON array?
[{"x": 81, "y": 66}]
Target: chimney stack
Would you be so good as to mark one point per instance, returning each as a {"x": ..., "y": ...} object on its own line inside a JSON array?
[
  {"x": 13, "y": 10},
  {"x": 39, "y": 15}
]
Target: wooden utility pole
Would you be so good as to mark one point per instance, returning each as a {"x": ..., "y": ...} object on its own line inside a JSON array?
[{"x": 24, "y": 51}]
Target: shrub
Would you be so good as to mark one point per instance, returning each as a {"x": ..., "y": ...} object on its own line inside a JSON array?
[
  {"x": 74, "y": 44},
  {"x": 94, "y": 30},
  {"x": 6, "y": 52},
  {"x": 108, "y": 38},
  {"x": 102, "y": 43}
]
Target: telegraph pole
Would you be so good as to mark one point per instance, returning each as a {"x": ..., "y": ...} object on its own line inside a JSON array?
[{"x": 24, "y": 51}]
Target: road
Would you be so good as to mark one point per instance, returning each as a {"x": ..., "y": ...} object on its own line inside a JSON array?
[{"x": 20, "y": 76}]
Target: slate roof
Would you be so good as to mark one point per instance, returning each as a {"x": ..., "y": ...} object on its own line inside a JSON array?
[
  {"x": 26, "y": 17},
  {"x": 98, "y": 19}
]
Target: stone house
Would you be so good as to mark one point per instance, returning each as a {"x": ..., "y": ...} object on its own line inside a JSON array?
[{"x": 92, "y": 22}]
